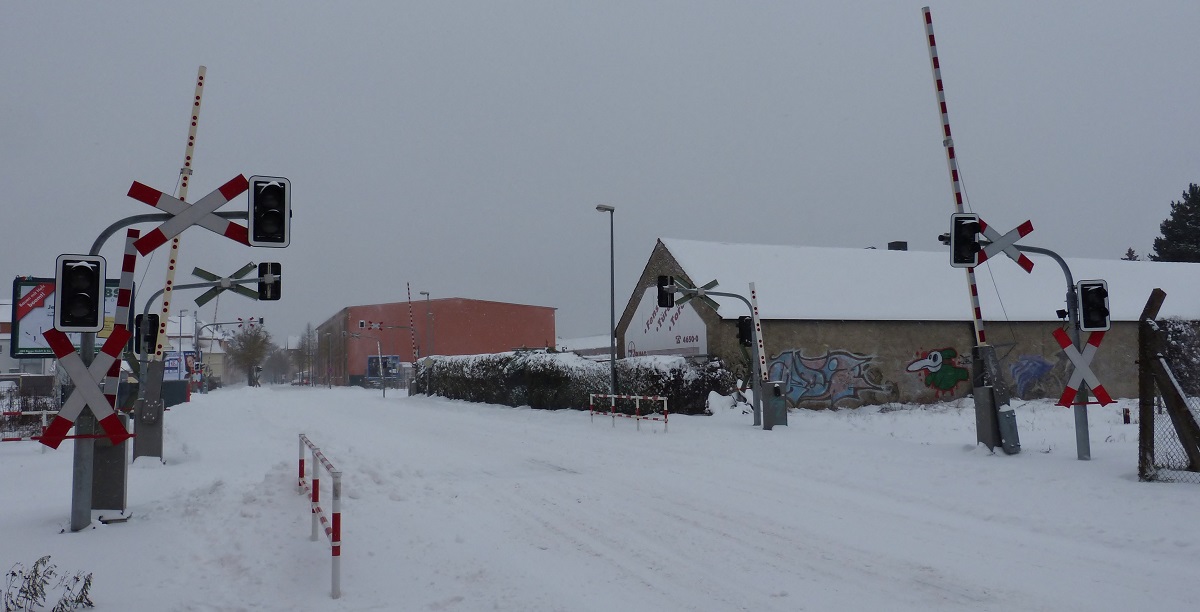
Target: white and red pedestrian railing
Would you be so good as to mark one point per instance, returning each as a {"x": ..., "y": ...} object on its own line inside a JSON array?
[
  {"x": 6, "y": 433},
  {"x": 638, "y": 415},
  {"x": 331, "y": 522}
]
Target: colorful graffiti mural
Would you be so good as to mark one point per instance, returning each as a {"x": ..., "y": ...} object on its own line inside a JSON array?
[
  {"x": 939, "y": 370},
  {"x": 837, "y": 375},
  {"x": 1028, "y": 372}
]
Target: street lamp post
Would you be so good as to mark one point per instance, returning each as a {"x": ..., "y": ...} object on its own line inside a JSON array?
[
  {"x": 428, "y": 323},
  {"x": 612, "y": 295}
]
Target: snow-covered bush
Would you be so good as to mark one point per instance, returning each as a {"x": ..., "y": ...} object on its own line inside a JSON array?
[{"x": 541, "y": 379}]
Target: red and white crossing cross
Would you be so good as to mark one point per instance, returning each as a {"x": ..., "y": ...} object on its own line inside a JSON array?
[
  {"x": 187, "y": 215},
  {"x": 87, "y": 391},
  {"x": 1006, "y": 244},
  {"x": 1083, "y": 368}
]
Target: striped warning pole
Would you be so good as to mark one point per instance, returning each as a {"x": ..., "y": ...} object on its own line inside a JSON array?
[
  {"x": 121, "y": 317},
  {"x": 952, "y": 164},
  {"x": 413, "y": 334},
  {"x": 185, "y": 175}
]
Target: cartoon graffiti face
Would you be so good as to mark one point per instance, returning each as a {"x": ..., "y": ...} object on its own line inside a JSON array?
[{"x": 940, "y": 370}]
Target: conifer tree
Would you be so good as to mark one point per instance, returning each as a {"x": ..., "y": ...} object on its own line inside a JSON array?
[{"x": 1180, "y": 240}]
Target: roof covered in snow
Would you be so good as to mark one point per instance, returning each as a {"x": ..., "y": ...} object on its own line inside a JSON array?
[{"x": 795, "y": 282}]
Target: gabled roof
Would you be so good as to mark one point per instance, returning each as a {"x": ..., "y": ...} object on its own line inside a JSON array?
[{"x": 822, "y": 283}]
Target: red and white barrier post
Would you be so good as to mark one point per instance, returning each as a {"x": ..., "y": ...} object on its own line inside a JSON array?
[
  {"x": 637, "y": 408},
  {"x": 332, "y": 524}
]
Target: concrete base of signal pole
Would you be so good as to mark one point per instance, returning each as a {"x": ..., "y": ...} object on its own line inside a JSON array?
[
  {"x": 148, "y": 413},
  {"x": 995, "y": 421}
]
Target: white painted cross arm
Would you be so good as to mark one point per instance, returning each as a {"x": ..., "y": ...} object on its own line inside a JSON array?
[
  {"x": 187, "y": 215},
  {"x": 1006, "y": 244},
  {"x": 87, "y": 391},
  {"x": 1083, "y": 368}
]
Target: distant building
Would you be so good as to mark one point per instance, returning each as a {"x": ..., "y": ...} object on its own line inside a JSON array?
[
  {"x": 403, "y": 332},
  {"x": 597, "y": 348},
  {"x": 845, "y": 327}
]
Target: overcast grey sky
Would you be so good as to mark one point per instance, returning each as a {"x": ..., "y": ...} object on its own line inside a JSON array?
[{"x": 463, "y": 146}]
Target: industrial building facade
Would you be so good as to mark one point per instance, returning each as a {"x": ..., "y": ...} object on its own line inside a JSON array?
[
  {"x": 847, "y": 327},
  {"x": 350, "y": 342}
]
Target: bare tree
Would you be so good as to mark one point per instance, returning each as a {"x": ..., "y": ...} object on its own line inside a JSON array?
[
  {"x": 303, "y": 353},
  {"x": 248, "y": 348}
]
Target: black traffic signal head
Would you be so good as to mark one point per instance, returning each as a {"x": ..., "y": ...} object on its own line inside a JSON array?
[
  {"x": 746, "y": 331},
  {"x": 666, "y": 299},
  {"x": 1093, "y": 305},
  {"x": 269, "y": 283},
  {"x": 145, "y": 337},
  {"x": 270, "y": 214},
  {"x": 964, "y": 240},
  {"x": 79, "y": 293}
]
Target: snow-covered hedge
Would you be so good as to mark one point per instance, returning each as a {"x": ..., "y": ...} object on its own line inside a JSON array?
[{"x": 564, "y": 380}]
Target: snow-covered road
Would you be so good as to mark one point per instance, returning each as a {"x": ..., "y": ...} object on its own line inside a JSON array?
[{"x": 456, "y": 506}]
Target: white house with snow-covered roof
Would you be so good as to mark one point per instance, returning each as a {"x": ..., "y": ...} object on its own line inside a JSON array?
[{"x": 852, "y": 326}]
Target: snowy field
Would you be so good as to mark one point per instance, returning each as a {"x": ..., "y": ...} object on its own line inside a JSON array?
[{"x": 456, "y": 506}]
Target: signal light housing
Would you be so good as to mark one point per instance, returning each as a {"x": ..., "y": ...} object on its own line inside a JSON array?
[
  {"x": 1094, "y": 314},
  {"x": 79, "y": 293},
  {"x": 666, "y": 299},
  {"x": 270, "y": 211},
  {"x": 964, "y": 240}
]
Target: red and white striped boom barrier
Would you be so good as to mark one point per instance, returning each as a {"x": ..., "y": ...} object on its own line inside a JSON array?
[
  {"x": 332, "y": 523},
  {"x": 952, "y": 165},
  {"x": 637, "y": 408}
]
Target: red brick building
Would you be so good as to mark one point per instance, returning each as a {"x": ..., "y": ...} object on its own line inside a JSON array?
[{"x": 448, "y": 326}]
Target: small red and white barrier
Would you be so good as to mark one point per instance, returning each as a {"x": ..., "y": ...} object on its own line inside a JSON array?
[
  {"x": 12, "y": 415},
  {"x": 332, "y": 523},
  {"x": 637, "y": 408}
]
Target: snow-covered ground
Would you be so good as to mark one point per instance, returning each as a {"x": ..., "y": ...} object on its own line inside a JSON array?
[{"x": 456, "y": 506}]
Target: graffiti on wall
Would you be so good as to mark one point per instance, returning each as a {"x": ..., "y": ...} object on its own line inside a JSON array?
[
  {"x": 1033, "y": 376},
  {"x": 836, "y": 375},
  {"x": 940, "y": 370}
]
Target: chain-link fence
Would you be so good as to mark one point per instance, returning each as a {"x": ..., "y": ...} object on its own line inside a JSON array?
[
  {"x": 1170, "y": 459},
  {"x": 1176, "y": 438}
]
